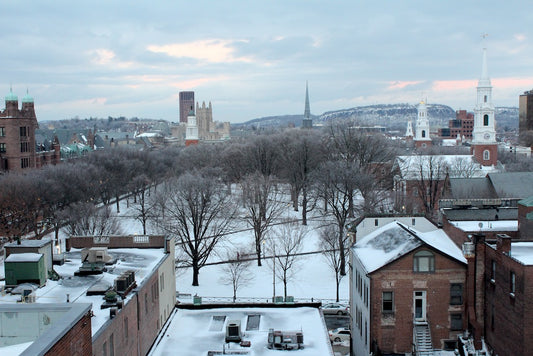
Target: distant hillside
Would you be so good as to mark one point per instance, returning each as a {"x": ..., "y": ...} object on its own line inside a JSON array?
[{"x": 392, "y": 116}]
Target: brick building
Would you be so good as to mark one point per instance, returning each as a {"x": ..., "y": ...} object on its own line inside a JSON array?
[
  {"x": 140, "y": 278},
  {"x": 406, "y": 289},
  {"x": 461, "y": 126},
  {"x": 18, "y": 150}
]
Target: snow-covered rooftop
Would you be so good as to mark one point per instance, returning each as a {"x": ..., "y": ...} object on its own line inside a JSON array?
[
  {"x": 394, "y": 240},
  {"x": 196, "y": 332},
  {"x": 412, "y": 167},
  {"x": 142, "y": 261},
  {"x": 24, "y": 257},
  {"x": 499, "y": 225},
  {"x": 523, "y": 252}
]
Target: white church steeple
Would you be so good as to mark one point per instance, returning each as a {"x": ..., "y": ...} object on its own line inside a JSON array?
[
  {"x": 422, "y": 138},
  {"x": 484, "y": 143}
]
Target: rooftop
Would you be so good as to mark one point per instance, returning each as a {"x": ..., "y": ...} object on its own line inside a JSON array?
[
  {"x": 394, "y": 240},
  {"x": 196, "y": 332},
  {"x": 74, "y": 288}
]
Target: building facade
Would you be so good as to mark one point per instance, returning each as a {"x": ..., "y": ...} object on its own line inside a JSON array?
[
  {"x": 186, "y": 103},
  {"x": 407, "y": 290},
  {"x": 525, "y": 119}
]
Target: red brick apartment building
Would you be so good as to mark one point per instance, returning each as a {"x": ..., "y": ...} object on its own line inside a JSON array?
[{"x": 407, "y": 289}]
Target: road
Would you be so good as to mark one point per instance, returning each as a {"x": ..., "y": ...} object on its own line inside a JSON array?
[{"x": 338, "y": 321}]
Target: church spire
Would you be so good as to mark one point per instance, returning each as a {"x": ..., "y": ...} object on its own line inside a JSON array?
[
  {"x": 307, "y": 122},
  {"x": 307, "y": 111},
  {"x": 484, "y": 81}
]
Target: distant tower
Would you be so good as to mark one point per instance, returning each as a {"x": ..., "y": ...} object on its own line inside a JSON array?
[
  {"x": 186, "y": 102},
  {"x": 525, "y": 121},
  {"x": 409, "y": 133},
  {"x": 422, "y": 138},
  {"x": 307, "y": 122},
  {"x": 191, "y": 134},
  {"x": 484, "y": 146}
]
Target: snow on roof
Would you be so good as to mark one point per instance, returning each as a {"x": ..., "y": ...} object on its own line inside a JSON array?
[
  {"x": 149, "y": 134},
  {"x": 523, "y": 252},
  {"x": 477, "y": 225},
  {"x": 142, "y": 261},
  {"x": 394, "y": 240},
  {"x": 438, "y": 165},
  {"x": 24, "y": 257},
  {"x": 29, "y": 243},
  {"x": 195, "y": 332}
]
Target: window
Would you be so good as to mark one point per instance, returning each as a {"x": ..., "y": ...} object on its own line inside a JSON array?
[
  {"x": 24, "y": 147},
  {"x": 512, "y": 281},
  {"x": 413, "y": 221},
  {"x": 456, "y": 321},
  {"x": 388, "y": 302},
  {"x": 162, "y": 282},
  {"x": 424, "y": 261},
  {"x": 486, "y": 155},
  {"x": 376, "y": 222},
  {"x": 23, "y": 131},
  {"x": 111, "y": 346},
  {"x": 485, "y": 120},
  {"x": 423, "y": 133},
  {"x": 24, "y": 162},
  {"x": 2, "y": 132},
  {"x": 146, "y": 303},
  {"x": 456, "y": 294},
  {"x": 2, "y": 148},
  {"x": 493, "y": 272},
  {"x": 485, "y": 99},
  {"x": 126, "y": 327}
]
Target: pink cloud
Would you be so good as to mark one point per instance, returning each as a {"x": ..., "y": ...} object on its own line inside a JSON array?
[{"x": 402, "y": 84}]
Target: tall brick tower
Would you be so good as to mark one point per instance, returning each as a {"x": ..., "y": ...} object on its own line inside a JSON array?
[
  {"x": 17, "y": 134},
  {"x": 484, "y": 145},
  {"x": 186, "y": 101}
]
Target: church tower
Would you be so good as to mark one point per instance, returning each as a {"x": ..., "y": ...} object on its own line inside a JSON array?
[
  {"x": 307, "y": 122},
  {"x": 484, "y": 145},
  {"x": 409, "y": 135},
  {"x": 422, "y": 139},
  {"x": 191, "y": 133}
]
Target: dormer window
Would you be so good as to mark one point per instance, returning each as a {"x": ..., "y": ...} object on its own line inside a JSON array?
[{"x": 424, "y": 261}]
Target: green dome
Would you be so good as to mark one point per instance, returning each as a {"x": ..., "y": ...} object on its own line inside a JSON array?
[
  {"x": 11, "y": 96},
  {"x": 27, "y": 98}
]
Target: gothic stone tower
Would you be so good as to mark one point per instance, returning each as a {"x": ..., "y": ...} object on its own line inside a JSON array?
[{"x": 484, "y": 146}]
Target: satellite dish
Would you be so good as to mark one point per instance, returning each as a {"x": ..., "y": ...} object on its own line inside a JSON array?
[{"x": 480, "y": 225}]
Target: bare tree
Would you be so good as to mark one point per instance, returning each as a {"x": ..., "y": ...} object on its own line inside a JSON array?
[
  {"x": 301, "y": 154},
  {"x": 262, "y": 204},
  {"x": 236, "y": 272},
  {"x": 286, "y": 243},
  {"x": 336, "y": 183},
  {"x": 85, "y": 219},
  {"x": 143, "y": 207},
  {"x": 430, "y": 173},
  {"x": 329, "y": 244},
  {"x": 199, "y": 212}
]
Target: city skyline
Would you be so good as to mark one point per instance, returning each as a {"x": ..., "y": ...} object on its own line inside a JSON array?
[{"x": 250, "y": 60}]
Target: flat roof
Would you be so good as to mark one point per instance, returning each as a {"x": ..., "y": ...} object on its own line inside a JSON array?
[
  {"x": 29, "y": 243},
  {"x": 196, "y": 332},
  {"x": 142, "y": 261},
  {"x": 522, "y": 252}
]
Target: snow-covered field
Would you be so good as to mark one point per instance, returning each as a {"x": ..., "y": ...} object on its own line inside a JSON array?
[{"x": 313, "y": 277}]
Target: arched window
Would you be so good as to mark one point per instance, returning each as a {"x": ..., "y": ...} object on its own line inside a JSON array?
[
  {"x": 486, "y": 155},
  {"x": 423, "y": 133},
  {"x": 485, "y": 98},
  {"x": 424, "y": 261},
  {"x": 486, "y": 120}
]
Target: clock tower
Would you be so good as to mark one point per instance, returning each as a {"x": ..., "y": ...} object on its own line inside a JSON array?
[{"x": 484, "y": 145}]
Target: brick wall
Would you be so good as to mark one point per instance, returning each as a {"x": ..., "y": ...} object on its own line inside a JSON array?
[
  {"x": 509, "y": 319},
  {"x": 393, "y": 332},
  {"x": 77, "y": 341}
]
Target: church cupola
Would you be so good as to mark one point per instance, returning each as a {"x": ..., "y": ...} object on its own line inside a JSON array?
[{"x": 422, "y": 138}]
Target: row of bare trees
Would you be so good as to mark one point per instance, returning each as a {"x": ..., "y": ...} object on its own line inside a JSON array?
[{"x": 186, "y": 192}]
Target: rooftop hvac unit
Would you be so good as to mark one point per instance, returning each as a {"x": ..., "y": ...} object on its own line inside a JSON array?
[{"x": 233, "y": 331}]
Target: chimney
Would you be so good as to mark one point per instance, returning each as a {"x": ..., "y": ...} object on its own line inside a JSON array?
[{"x": 503, "y": 244}]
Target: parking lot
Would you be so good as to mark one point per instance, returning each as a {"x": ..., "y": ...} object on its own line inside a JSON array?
[{"x": 339, "y": 321}]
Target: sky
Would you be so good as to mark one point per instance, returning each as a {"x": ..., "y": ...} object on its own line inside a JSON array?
[{"x": 252, "y": 59}]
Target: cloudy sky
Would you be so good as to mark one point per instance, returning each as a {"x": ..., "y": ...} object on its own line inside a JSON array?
[{"x": 252, "y": 58}]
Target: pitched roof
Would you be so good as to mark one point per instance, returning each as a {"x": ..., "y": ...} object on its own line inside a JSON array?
[
  {"x": 512, "y": 184},
  {"x": 526, "y": 201},
  {"x": 466, "y": 188},
  {"x": 395, "y": 240}
]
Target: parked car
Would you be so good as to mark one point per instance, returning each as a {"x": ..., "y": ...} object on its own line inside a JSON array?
[
  {"x": 335, "y": 308},
  {"x": 340, "y": 334}
]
